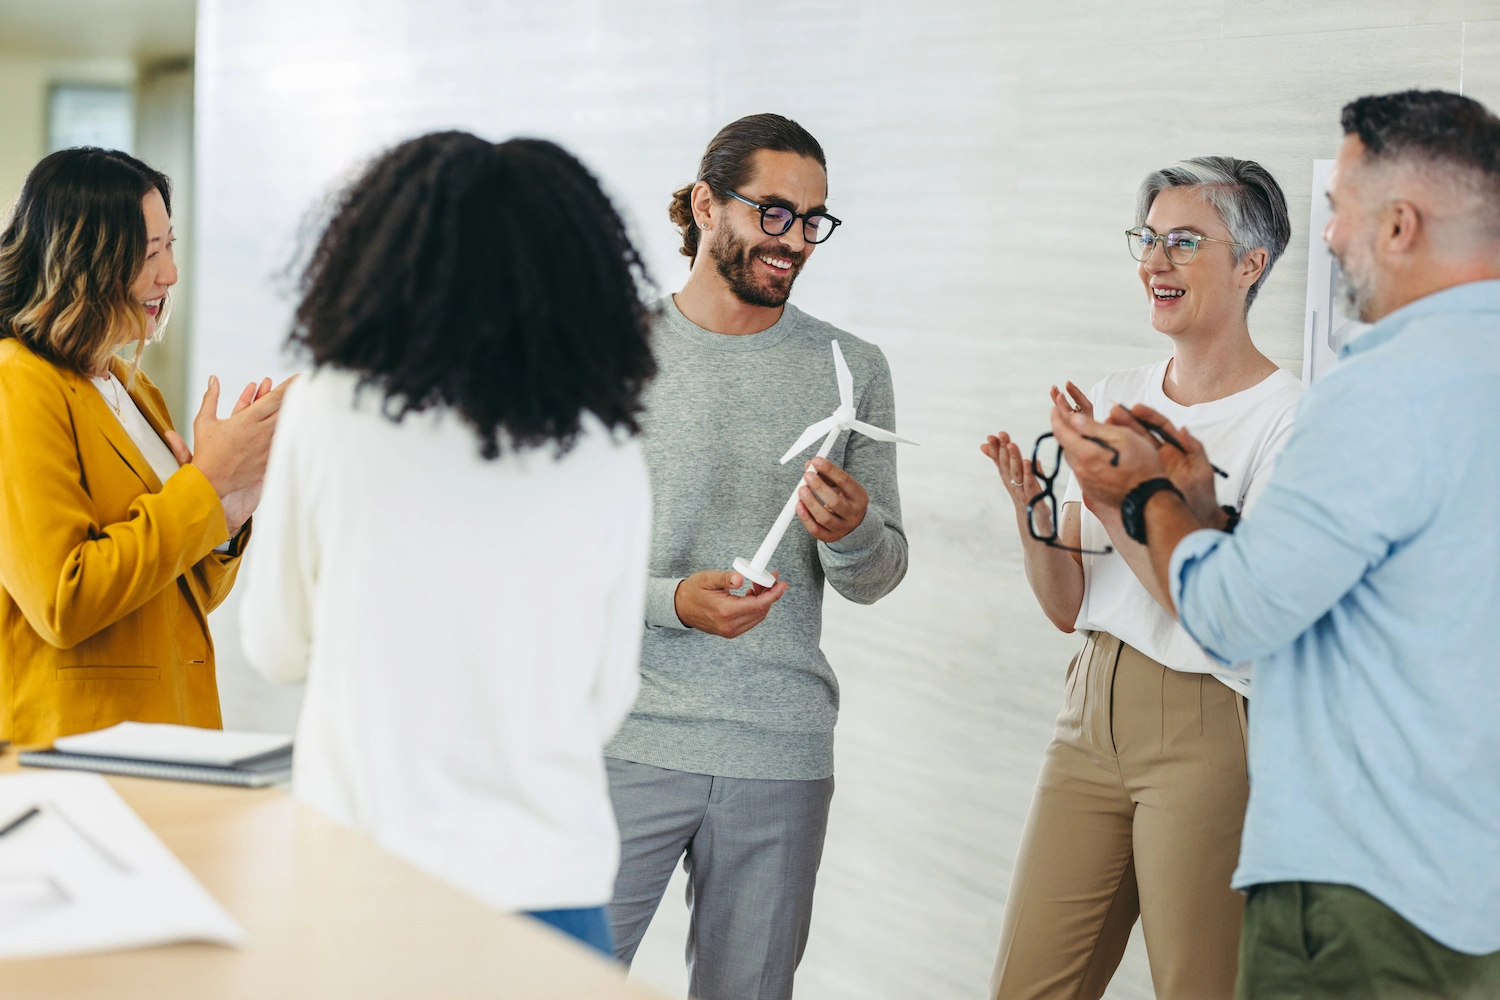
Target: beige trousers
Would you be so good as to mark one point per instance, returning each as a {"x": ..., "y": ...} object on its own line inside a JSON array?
[{"x": 1137, "y": 812}]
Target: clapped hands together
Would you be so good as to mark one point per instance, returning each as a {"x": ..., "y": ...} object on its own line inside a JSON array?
[
  {"x": 232, "y": 452},
  {"x": 1112, "y": 457},
  {"x": 1130, "y": 447}
]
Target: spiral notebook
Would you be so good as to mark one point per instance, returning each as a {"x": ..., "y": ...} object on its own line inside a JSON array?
[{"x": 173, "y": 753}]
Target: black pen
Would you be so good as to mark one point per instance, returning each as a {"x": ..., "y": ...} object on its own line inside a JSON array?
[
  {"x": 1163, "y": 436},
  {"x": 16, "y": 823}
]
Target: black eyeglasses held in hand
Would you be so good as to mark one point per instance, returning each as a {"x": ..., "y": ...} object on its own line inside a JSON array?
[
  {"x": 1042, "y": 455},
  {"x": 777, "y": 219}
]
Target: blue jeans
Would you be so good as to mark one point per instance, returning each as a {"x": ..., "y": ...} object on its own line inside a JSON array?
[{"x": 590, "y": 926}]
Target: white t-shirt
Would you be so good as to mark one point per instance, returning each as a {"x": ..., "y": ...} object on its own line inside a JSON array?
[
  {"x": 1243, "y": 434},
  {"x": 155, "y": 450},
  {"x": 469, "y": 632}
]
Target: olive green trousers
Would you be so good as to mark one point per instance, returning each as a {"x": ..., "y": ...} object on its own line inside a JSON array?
[{"x": 1315, "y": 940}]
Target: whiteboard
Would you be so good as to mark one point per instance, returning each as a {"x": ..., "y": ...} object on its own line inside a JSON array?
[{"x": 1327, "y": 329}]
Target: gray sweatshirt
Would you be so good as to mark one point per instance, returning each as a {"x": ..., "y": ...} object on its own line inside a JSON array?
[{"x": 719, "y": 416}]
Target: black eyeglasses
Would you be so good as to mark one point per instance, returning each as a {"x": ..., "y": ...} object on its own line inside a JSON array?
[
  {"x": 776, "y": 219},
  {"x": 1043, "y": 454}
]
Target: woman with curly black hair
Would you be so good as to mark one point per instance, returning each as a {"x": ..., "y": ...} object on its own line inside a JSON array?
[{"x": 456, "y": 520}]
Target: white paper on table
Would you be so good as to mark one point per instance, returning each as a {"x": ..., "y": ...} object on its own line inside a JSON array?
[
  {"x": 87, "y": 874},
  {"x": 171, "y": 744}
]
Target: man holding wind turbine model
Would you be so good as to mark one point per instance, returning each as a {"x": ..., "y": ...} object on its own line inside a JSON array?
[{"x": 727, "y": 759}]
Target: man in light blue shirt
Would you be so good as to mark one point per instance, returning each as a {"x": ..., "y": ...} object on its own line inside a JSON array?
[{"x": 1365, "y": 587}]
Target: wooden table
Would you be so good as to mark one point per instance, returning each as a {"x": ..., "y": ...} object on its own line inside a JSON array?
[{"x": 328, "y": 913}]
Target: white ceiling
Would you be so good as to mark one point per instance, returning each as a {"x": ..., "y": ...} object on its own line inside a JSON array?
[{"x": 140, "y": 29}]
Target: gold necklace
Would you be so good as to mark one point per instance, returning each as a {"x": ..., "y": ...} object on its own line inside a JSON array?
[{"x": 114, "y": 403}]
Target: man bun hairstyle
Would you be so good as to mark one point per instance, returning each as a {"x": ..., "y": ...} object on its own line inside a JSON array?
[
  {"x": 1246, "y": 196},
  {"x": 730, "y": 157},
  {"x": 495, "y": 280},
  {"x": 1434, "y": 130}
]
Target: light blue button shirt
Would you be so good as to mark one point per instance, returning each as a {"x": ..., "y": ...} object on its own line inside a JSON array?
[{"x": 1365, "y": 587}]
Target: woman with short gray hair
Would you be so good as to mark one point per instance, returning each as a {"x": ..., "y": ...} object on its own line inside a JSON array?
[{"x": 1141, "y": 797}]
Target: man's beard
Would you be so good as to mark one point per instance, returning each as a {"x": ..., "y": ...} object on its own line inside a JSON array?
[
  {"x": 734, "y": 259},
  {"x": 1354, "y": 285}
]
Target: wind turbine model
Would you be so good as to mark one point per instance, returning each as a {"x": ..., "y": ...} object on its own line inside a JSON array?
[{"x": 841, "y": 420}]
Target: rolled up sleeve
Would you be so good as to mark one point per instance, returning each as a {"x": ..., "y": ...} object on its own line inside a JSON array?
[
  {"x": 1334, "y": 507},
  {"x": 1185, "y": 559}
]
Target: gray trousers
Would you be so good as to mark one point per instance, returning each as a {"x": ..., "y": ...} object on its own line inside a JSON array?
[{"x": 751, "y": 850}]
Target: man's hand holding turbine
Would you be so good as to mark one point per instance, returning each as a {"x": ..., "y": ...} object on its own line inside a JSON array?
[
  {"x": 704, "y": 601},
  {"x": 831, "y": 503},
  {"x": 834, "y": 504},
  {"x": 828, "y": 501}
]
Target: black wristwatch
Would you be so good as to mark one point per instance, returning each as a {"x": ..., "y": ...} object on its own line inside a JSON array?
[
  {"x": 1233, "y": 515},
  {"x": 1133, "y": 507}
]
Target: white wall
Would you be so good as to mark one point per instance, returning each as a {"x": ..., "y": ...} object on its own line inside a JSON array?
[
  {"x": 984, "y": 156},
  {"x": 164, "y": 139},
  {"x": 43, "y": 42}
]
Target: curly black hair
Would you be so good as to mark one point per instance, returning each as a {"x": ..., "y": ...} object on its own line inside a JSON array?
[{"x": 496, "y": 279}]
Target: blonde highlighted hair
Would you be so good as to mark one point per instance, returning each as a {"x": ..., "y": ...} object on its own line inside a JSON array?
[{"x": 71, "y": 249}]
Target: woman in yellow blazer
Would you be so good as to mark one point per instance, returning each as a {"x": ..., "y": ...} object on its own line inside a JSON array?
[{"x": 115, "y": 540}]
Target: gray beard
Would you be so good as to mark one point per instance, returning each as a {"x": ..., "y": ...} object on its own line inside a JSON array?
[{"x": 1354, "y": 296}]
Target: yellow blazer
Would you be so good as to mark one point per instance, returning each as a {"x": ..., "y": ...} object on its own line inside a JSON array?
[{"x": 107, "y": 575}]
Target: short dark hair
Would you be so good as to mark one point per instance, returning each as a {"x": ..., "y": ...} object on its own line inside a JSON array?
[
  {"x": 494, "y": 279},
  {"x": 1433, "y": 128},
  {"x": 730, "y": 156},
  {"x": 72, "y": 247}
]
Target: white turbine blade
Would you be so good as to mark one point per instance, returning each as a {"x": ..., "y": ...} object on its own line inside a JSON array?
[
  {"x": 810, "y": 435},
  {"x": 846, "y": 380},
  {"x": 879, "y": 434}
]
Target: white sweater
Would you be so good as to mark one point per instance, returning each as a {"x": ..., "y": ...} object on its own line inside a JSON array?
[{"x": 469, "y": 631}]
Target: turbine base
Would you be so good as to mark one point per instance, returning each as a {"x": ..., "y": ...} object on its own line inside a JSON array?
[{"x": 765, "y": 579}]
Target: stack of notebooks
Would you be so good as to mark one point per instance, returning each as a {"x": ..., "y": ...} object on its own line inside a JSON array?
[{"x": 178, "y": 753}]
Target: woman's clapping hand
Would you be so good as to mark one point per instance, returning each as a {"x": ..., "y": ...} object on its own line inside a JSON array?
[{"x": 232, "y": 452}]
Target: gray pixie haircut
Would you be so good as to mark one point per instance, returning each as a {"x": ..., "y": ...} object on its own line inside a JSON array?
[{"x": 1246, "y": 196}]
